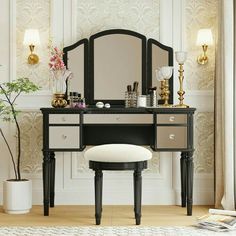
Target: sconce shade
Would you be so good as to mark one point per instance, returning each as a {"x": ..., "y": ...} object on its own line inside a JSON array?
[
  {"x": 31, "y": 37},
  {"x": 204, "y": 37},
  {"x": 181, "y": 57}
]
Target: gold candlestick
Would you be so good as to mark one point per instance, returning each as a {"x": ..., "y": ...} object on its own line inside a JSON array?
[
  {"x": 181, "y": 92},
  {"x": 162, "y": 87},
  {"x": 166, "y": 93},
  {"x": 181, "y": 58}
]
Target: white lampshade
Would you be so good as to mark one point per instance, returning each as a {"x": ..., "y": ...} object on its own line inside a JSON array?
[
  {"x": 159, "y": 75},
  {"x": 181, "y": 57},
  {"x": 166, "y": 71},
  {"x": 204, "y": 36},
  {"x": 31, "y": 37}
]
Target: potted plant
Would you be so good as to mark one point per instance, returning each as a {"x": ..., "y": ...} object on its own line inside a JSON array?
[{"x": 17, "y": 192}]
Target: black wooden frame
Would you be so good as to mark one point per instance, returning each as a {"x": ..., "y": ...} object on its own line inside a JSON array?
[
  {"x": 92, "y": 101},
  {"x": 84, "y": 42},
  {"x": 149, "y": 66}
]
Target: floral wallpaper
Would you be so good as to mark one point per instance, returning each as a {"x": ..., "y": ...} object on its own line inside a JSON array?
[
  {"x": 138, "y": 15},
  {"x": 204, "y": 142},
  {"x": 33, "y": 14},
  {"x": 32, "y": 141},
  {"x": 200, "y": 14}
]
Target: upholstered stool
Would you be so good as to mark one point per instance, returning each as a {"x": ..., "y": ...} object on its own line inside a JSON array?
[{"x": 118, "y": 157}]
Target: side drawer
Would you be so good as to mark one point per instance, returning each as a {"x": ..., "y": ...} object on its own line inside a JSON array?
[
  {"x": 64, "y": 137},
  {"x": 64, "y": 118},
  {"x": 171, "y": 119},
  {"x": 171, "y": 137},
  {"x": 118, "y": 118}
]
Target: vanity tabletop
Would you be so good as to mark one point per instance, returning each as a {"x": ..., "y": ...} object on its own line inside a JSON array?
[{"x": 139, "y": 110}]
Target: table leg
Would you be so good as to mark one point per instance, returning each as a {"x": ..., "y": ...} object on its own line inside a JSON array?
[
  {"x": 189, "y": 165},
  {"x": 138, "y": 195},
  {"x": 52, "y": 178},
  {"x": 46, "y": 182},
  {"x": 183, "y": 178}
]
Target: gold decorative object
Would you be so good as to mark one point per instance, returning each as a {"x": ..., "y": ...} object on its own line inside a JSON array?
[
  {"x": 58, "y": 100},
  {"x": 31, "y": 38},
  {"x": 203, "y": 59},
  {"x": 204, "y": 39},
  {"x": 162, "y": 87},
  {"x": 166, "y": 93},
  {"x": 32, "y": 58},
  {"x": 163, "y": 75},
  {"x": 181, "y": 58}
]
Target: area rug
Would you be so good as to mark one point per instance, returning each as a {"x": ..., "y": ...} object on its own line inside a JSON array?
[{"x": 108, "y": 231}]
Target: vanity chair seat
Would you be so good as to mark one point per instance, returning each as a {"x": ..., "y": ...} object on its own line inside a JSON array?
[{"x": 118, "y": 157}]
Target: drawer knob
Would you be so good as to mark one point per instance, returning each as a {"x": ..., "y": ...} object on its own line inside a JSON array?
[
  {"x": 64, "y": 136},
  {"x": 117, "y": 118},
  {"x": 63, "y": 118},
  {"x": 172, "y": 136},
  {"x": 172, "y": 118}
]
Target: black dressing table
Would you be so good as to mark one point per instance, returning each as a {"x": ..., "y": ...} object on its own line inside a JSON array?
[
  {"x": 103, "y": 66},
  {"x": 164, "y": 129}
]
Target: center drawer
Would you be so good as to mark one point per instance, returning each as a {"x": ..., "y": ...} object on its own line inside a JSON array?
[
  {"x": 118, "y": 118},
  {"x": 63, "y": 137}
]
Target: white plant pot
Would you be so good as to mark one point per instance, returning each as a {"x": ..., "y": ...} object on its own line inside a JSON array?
[{"x": 17, "y": 196}]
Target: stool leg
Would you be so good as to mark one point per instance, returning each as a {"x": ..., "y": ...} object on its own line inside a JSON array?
[
  {"x": 138, "y": 195},
  {"x": 98, "y": 196}
]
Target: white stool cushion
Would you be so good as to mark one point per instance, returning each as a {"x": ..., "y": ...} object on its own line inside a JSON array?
[{"x": 118, "y": 153}]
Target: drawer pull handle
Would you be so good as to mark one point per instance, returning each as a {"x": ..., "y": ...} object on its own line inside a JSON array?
[
  {"x": 172, "y": 118},
  {"x": 172, "y": 136},
  {"x": 64, "y": 136}
]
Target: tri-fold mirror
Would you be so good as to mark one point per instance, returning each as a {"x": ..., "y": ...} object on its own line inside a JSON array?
[{"x": 108, "y": 61}]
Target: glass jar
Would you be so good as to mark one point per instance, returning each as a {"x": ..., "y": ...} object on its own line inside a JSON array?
[
  {"x": 73, "y": 99},
  {"x": 142, "y": 101}
]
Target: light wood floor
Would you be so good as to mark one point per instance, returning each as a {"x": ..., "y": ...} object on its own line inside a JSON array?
[{"x": 112, "y": 216}]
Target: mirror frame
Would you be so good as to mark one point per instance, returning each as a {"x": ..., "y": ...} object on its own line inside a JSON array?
[
  {"x": 84, "y": 42},
  {"x": 92, "y": 101},
  {"x": 150, "y": 43}
]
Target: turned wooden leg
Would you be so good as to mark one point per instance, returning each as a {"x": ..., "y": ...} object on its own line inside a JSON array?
[
  {"x": 52, "y": 178},
  {"x": 98, "y": 196},
  {"x": 189, "y": 165},
  {"x": 137, "y": 195},
  {"x": 183, "y": 178},
  {"x": 46, "y": 182}
]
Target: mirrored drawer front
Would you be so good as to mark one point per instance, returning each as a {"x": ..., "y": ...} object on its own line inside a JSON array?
[
  {"x": 171, "y": 137},
  {"x": 64, "y": 137},
  {"x": 118, "y": 118},
  {"x": 64, "y": 119},
  {"x": 171, "y": 119}
]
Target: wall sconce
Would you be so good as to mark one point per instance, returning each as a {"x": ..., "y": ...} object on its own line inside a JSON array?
[
  {"x": 204, "y": 38},
  {"x": 31, "y": 38}
]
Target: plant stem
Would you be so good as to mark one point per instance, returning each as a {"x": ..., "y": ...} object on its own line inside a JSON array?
[
  {"x": 9, "y": 149},
  {"x": 18, "y": 176}
]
